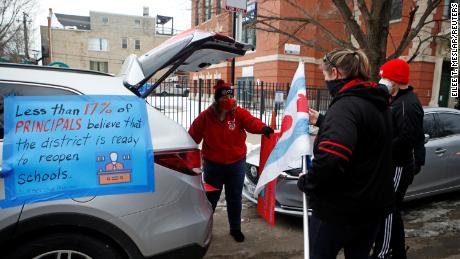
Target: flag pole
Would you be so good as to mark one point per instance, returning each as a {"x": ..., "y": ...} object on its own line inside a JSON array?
[{"x": 306, "y": 241}]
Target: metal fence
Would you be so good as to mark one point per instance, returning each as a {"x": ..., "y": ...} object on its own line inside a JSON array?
[{"x": 182, "y": 101}]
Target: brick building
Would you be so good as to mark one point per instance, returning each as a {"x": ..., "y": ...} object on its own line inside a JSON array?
[
  {"x": 102, "y": 41},
  {"x": 275, "y": 56}
]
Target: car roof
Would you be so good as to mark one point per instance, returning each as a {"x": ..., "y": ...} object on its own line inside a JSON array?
[
  {"x": 439, "y": 109},
  {"x": 84, "y": 81},
  {"x": 59, "y": 69}
]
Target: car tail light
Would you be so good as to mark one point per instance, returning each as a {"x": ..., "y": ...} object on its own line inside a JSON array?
[{"x": 185, "y": 161}]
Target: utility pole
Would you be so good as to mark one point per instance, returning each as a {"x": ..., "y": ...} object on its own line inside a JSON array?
[
  {"x": 50, "y": 52},
  {"x": 26, "y": 39},
  {"x": 233, "y": 59}
]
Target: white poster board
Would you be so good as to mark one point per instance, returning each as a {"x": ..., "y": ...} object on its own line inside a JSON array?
[
  {"x": 292, "y": 49},
  {"x": 279, "y": 97}
]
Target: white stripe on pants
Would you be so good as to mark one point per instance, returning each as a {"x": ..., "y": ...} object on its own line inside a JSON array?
[{"x": 389, "y": 218}]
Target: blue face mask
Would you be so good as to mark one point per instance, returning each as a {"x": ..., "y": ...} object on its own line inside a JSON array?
[{"x": 334, "y": 85}]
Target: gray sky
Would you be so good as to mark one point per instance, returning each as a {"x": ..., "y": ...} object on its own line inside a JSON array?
[{"x": 179, "y": 9}]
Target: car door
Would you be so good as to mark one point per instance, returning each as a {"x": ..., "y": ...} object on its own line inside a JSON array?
[
  {"x": 450, "y": 131},
  {"x": 433, "y": 174}
]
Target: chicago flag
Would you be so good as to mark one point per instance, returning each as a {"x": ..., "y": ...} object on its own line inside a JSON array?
[{"x": 294, "y": 141}]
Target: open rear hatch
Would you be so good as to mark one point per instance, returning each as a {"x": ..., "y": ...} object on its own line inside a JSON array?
[{"x": 189, "y": 51}]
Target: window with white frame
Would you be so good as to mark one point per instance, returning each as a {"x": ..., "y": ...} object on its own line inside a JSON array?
[
  {"x": 219, "y": 7},
  {"x": 396, "y": 10},
  {"x": 207, "y": 7},
  {"x": 137, "y": 22},
  {"x": 101, "y": 66},
  {"x": 248, "y": 31},
  {"x": 124, "y": 43},
  {"x": 446, "y": 11},
  {"x": 137, "y": 44},
  {"x": 105, "y": 20},
  {"x": 98, "y": 44}
]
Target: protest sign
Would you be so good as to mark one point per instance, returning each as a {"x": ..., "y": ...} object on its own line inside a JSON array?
[{"x": 63, "y": 147}]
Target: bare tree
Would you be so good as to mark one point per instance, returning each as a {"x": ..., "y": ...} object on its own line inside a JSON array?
[
  {"x": 11, "y": 26},
  {"x": 371, "y": 36}
]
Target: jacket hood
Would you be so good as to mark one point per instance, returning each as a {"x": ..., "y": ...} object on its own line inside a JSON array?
[{"x": 366, "y": 90}]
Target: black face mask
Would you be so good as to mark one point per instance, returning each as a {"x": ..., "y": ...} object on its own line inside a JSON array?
[{"x": 334, "y": 85}]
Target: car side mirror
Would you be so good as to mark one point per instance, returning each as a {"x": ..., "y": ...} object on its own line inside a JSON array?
[{"x": 427, "y": 137}]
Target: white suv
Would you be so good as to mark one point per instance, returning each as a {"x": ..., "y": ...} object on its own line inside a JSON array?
[{"x": 175, "y": 220}]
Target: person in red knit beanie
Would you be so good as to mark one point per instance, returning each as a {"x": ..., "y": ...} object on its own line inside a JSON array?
[
  {"x": 222, "y": 128},
  {"x": 395, "y": 73},
  {"x": 408, "y": 152}
]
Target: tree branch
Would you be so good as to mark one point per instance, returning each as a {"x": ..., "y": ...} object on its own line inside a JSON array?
[
  {"x": 410, "y": 32},
  {"x": 365, "y": 13},
  {"x": 294, "y": 37},
  {"x": 351, "y": 23},
  {"x": 417, "y": 50},
  {"x": 265, "y": 19},
  {"x": 295, "y": 32},
  {"x": 436, "y": 20},
  {"x": 315, "y": 22}
]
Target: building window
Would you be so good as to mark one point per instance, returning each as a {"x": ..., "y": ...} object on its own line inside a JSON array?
[
  {"x": 99, "y": 66},
  {"x": 197, "y": 12},
  {"x": 207, "y": 10},
  {"x": 248, "y": 34},
  {"x": 98, "y": 44},
  {"x": 8, "y": 89},
  {"x": 137, "y": 44},
  {"x": 137, "y": 22},
  {"x": 396, "y": 10},
  {"x": 446, "y": 11},
  {"x": 105, "y": 20},
  {"x": 124, "y": 43},
  {"x": 219, "y": 6}
]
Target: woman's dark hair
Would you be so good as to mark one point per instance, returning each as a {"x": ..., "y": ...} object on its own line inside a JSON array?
[{"x": 350, "y": 63}]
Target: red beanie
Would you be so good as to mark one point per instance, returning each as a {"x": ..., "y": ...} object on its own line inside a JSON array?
[
  {"x": 221, "y": 85},
  {"x": 396, "y": 70}
]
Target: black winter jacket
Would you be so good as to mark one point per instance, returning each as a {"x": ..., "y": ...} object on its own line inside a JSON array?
[
  {"x": 408, "y": 133},
  {"x": 350, "y": 180}
]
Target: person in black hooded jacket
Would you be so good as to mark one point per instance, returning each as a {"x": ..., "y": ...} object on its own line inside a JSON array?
[
  {"x": 408, "y": 153},
  {"x": 349, "y": 186}
]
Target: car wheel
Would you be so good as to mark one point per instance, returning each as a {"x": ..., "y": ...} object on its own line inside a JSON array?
[
  {"x": 185, "y": 94},
  {"x": 164, "y": 93},
  {"x": 65, "y": 245}
]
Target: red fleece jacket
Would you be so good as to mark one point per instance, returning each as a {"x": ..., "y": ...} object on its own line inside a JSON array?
[{"x": 224, "y": 141}]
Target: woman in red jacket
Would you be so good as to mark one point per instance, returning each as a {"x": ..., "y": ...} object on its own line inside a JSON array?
[{"x": 222, "y": 127}]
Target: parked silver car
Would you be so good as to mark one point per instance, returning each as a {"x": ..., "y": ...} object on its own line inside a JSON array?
[
  {"x": 175, "y": 220},
  {"x": 172, "y": 89},
  {"x": 440, "y": 174}
]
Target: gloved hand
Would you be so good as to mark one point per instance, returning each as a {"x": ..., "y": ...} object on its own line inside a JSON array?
[
  {"x": 417, "y": 169},
  {"x": 267, "y": 131},
  {"x": 301, "y": 182}
]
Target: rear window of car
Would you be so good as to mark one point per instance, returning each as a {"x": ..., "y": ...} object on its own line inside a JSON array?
[
  {"x": 450, "y": 124},
  {"x": 20, "y": 89}
]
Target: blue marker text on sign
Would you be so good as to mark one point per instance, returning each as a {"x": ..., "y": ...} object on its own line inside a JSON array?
[{"x": 73, "y": 146}]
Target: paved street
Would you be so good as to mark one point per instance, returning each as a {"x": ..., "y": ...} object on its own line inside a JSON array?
[{"x": 432, "y": 230}]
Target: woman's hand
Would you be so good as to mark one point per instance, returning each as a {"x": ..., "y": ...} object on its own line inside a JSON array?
[
  {"x": 267, "y": 131},
  {"x": 313, "y": 116}
]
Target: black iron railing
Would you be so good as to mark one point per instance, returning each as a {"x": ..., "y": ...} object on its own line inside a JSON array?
[{"x": 182, "y": 101}]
